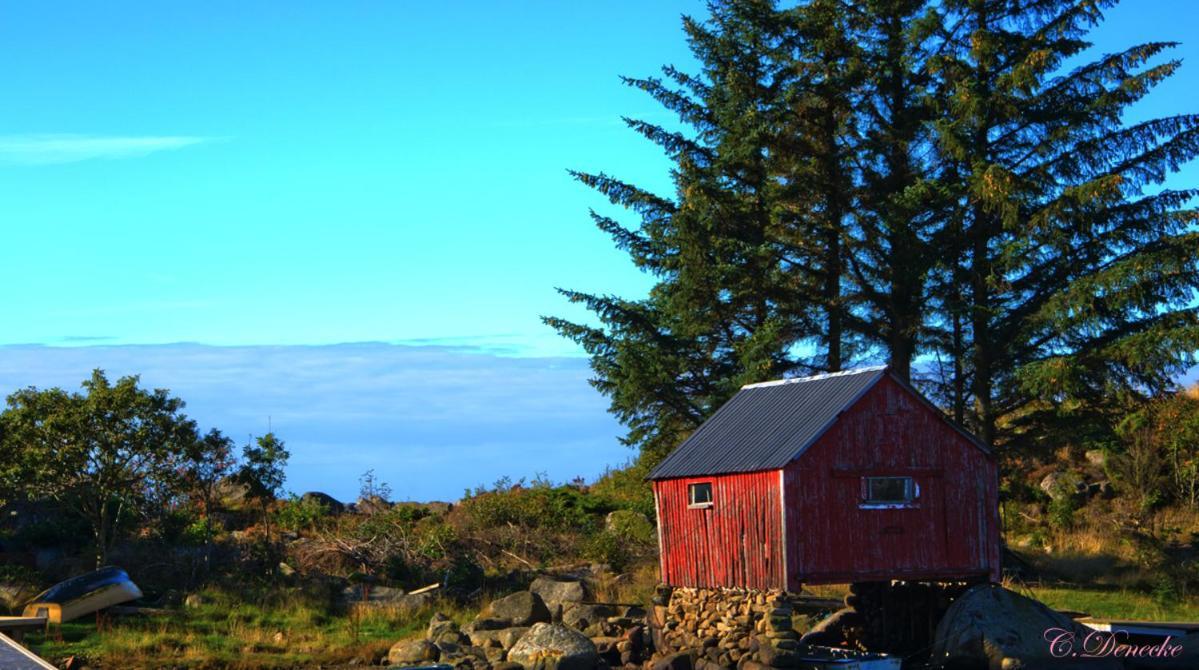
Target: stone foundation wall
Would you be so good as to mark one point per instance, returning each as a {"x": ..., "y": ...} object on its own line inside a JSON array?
[{"x": 725, "y": 627}]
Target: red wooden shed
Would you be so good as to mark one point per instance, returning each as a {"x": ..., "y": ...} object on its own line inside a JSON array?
[{"x": 844, "y": 477}]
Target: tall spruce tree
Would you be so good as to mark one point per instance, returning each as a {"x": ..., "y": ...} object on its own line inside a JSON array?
[
  {"x": 812, "y": 147},
  {"x": 1082, "y": 272},
  {"x": 899, "y": 213},
  {"x": 897, "y": 179}
]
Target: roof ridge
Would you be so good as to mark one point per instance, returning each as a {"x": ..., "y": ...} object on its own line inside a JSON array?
[{"x": 823, "y": 375}]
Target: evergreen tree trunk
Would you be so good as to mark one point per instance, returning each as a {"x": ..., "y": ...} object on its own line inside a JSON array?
[
  {"x": 836, "y": 186},
  {"x": 981, "y": 354}
]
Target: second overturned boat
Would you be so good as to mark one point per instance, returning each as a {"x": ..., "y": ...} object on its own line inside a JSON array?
[{"x": 83, "y": 595}]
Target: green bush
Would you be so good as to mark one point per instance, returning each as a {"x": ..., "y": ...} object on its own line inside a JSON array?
[
  {"x": 627, "y": 488},
  {"x": 631, "y": 526},
  {"x": 606, "y": 547},
  {"x": 296, "y": 513},
  {"x": 536, "y": 505}
]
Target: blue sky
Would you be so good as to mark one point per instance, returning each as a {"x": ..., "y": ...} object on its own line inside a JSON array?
[{"x": 244, "y": 175}]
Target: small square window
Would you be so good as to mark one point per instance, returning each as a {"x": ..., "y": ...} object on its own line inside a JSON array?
[
  {"x": 889, "y": 491},
  {"x": 699, "y": 495}
]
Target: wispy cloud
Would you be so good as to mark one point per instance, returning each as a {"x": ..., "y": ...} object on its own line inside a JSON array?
[{"x": 50, "y": 149}]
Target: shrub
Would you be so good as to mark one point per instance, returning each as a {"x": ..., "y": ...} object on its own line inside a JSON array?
[
  {"x": 606, "y": 547},
  {"x": 627, "y": 488},
  {"x": 296, "y": 513},
  {"x": 630, "y": 526},
  {"x": 1061, "y": 511}
]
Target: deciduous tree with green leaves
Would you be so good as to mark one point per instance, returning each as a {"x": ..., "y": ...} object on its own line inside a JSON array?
[
  {"x": 111, "y": 453},
  {"x": 261, "y": 471}
]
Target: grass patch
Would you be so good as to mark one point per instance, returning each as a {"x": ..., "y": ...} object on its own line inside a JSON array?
[
  {"x": 1115, "y": 604},
  {"x": 275, "y": 630}
]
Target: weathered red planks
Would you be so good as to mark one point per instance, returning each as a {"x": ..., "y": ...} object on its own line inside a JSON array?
[
  {"x": 952, "y": 532},
  {"x": 737, "y": 542}
]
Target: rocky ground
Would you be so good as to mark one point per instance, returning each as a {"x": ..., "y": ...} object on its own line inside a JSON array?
[
  {"x": 552, "y": 625},
  {"x": 555, "y": 626}
]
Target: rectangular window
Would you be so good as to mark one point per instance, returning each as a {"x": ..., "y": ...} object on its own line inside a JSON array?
[
  {"x": 889, "y": 492},
  {"x": 699, "y": 495}
]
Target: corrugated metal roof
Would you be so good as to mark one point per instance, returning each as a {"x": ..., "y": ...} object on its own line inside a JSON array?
[{"x": 765, "y": 426}]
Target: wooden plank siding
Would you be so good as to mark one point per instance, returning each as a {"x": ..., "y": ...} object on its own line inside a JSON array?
[
  {"x": 737, "y": 542},
  {"x": 952, "y": 532}
]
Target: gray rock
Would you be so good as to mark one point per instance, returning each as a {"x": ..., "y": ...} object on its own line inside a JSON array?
[
  {"x": 14, "y": 596},
  {"x": 555, "y": 592},
  {"x": 990, "y": 626},
  {"x": 522, "y": 608},
  {"x": 831, "y": 630},
  {"x": 679, "y": 661},
  {"x": 412, "y": 652},
  {"x": 549, "y": 646},
  {"x": 438, "y": 624},
  {"x": 331, "y": 504},
  {"x": 372, "y": 505},
  {"x": 1049, "y": 484},
  {"x": 454, "y": 637},
  {"x": 487, "y": 623},
  {"x": 581, "y": 616},
  {"x": 505, "y": 638},
  {"x": 232, "y": 493}
]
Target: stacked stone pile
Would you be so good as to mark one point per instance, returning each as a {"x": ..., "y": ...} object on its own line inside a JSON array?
[{"x": 725, "y": 628}]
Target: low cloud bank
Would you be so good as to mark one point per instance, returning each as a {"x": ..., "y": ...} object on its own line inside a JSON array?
[{"x": 431, "y": 421}]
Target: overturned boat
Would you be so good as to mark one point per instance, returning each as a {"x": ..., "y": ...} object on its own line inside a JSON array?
[{"x": 83, "y": 595}]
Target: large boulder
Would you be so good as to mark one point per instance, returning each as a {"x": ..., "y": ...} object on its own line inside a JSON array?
[
  {"x": 331, "y": 504},
  {"x": 412, "y": 652},
  {"x": 554, "y": 647},
  {"x": 232, "y": 493},
  {"x": 372, "y": 505},
  {"x": 991, "y": 627},
  {"x": 557, "y": 592},
  {"x": 522, "y": 608}
]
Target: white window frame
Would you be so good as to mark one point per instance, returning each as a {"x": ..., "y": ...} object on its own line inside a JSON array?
[
  {"x": 911, "y": 490},
  {"x": 692, "y": 488}
]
